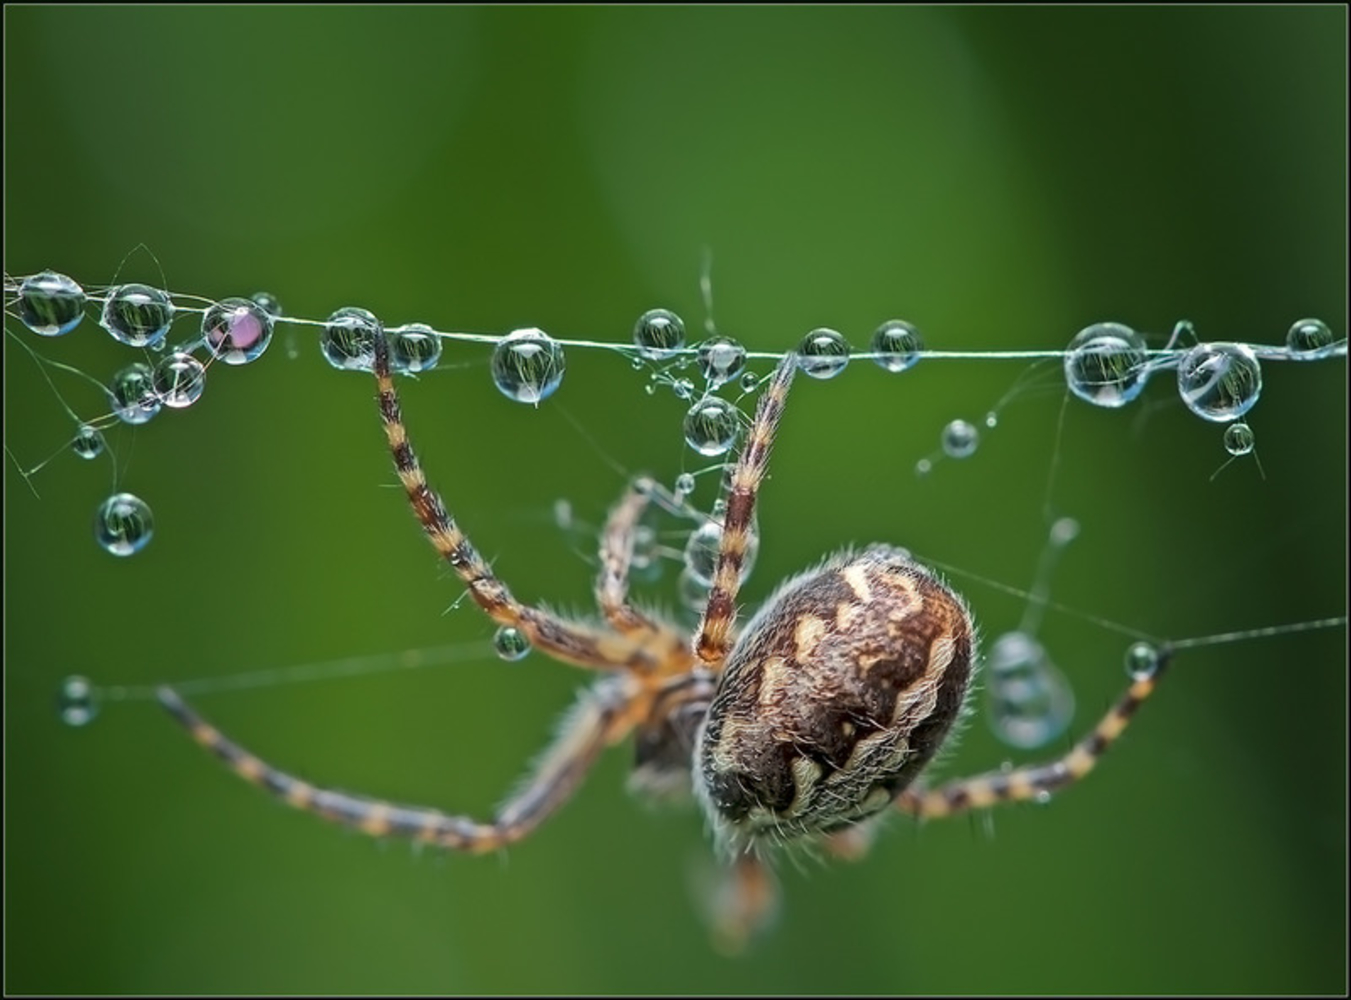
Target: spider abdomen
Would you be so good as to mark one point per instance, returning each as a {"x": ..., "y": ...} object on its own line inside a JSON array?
[{"x": 839, "y": 691}]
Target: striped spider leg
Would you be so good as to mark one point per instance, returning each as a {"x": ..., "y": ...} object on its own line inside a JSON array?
[
  {"x": 649, "y": 681},
  {"x": 836, "y": 696}
]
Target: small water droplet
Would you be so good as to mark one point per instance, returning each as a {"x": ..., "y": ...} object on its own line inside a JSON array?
[
  {"x": 179, "y": 380},
  {"x": 684, "y": 484},
  {"x": 750, "y": 382},
  {"x": 132, "y": 394},
  {"x": 511, "y": 644},
  {"x": 77, "y": 702},
  {"x": 1309, "y": 339},
  {"x": 1239, "y": 439},
  {"x": 1142, "y": 661},
  {"x": 960, "y": 439},
  {"x": 88, "y": 442},
  {"x": 123, "y": 524}
]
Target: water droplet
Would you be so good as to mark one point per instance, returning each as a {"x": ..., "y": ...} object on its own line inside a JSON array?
[
  {"x": 897, "y": 345},
  {"x": 528, "y": 366},
  {"x": 684, "y": 484},
  {"x": 693, "y": 594},
  {"x": 646, "y": 565},
  {"x": 750, "y": 382},
  {"x": 1219, "y": 382},
  {"x": 511, "y": 644},
  {"x": 137, "y": 315},
  {"x": 701, "y": 553},
  {"x": 683, "y": 388},
  {"x": 132, "y": 394},
  {"x": 1064, "y": 531},
  {"x": 87, "y": 442},
  {"x": 123, "y": 524},
  {"x": 76, "y": 701},
  {"x": 179, "y": 380},
  {"x": 720, "y": 360},
  {"x": 1041, "y": 796},
  {"x": 1142, "y": 661},
  {"x": 413, "y": 348},
  {"x": 823, "y": 353},
  {"x": 51, "y": 304},
  {"x": 923, "y": 467},
  {"x": 1106, "y": 364},
  {"x": 960, "y": 439},
  {"x": 1238, "y": 439},
  {"x": 992, "y": 420},
  {"x": 659, "y": 333},
  {"x": 348, "y": 340},
  {"x": 237, "y": 331},
  {"x": 711, "y": 426},
  {"x": 270, "y": 303},
  {"x": 1308, "y": 339},
  {"x": 1029, "y": 700}
]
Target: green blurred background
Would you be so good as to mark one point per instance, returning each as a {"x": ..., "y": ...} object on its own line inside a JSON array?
[{"x": 1000, "y": 177}]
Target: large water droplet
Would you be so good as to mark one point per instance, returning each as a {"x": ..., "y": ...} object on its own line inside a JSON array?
[
  {"x": 138, "y": 315},
  {"x": 896, "y": 345},
  {"x": 1106, "y": 364},
  {"x": 51, "y": 304},
  {"x": 348, "y": 340},
  {"x": 528, "y": 366},
  {"x": 823, "y": 353},
  {"x": 1219, "y": 382},
  {"x": 659, "y": 333},
  {"x": 711, "y": 426},
  {"x": 237, "y": 331}
]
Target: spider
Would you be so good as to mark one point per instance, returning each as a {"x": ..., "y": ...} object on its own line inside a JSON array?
[{"x": 805, "y": 725}]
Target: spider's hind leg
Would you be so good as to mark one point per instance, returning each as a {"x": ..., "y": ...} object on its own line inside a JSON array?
[{"x": 1036, "y": 782}]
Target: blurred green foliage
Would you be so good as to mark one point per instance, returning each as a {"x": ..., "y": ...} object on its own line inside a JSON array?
[{"x": 1000, "y": 177}]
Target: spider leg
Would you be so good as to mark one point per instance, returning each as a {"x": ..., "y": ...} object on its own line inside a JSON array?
[
  {"x": 716, "y": 630},
  {"x": 603, "y": 716},
  {"x": 616, "y": 557},
  {"x": 562, "y": 639},
  {"x": 1036, "y": 781},
  {"x": 744, "y": 903}
]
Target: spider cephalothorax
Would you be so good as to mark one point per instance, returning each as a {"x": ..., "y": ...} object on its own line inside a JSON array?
[{"x": 818, "y": 715}]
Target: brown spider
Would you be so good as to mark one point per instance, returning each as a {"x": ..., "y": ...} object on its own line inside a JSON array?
[{"x": 806, "y": 724}]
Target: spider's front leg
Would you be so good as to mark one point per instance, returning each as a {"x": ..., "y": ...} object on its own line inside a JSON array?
[
  {"x": 716, "y": 629},
  {"x": 605, "y": 714},
  {"x": 557, "y": 637}
]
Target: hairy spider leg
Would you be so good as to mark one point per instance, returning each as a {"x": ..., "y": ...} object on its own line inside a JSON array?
[
  {"x": 605, "y": 714},
  {"x": 670, "y": 644},
  {"x": 1035, "y": 781},
  {"x": 715, "y": 634},
  {"x": 568, "y": 641}
]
